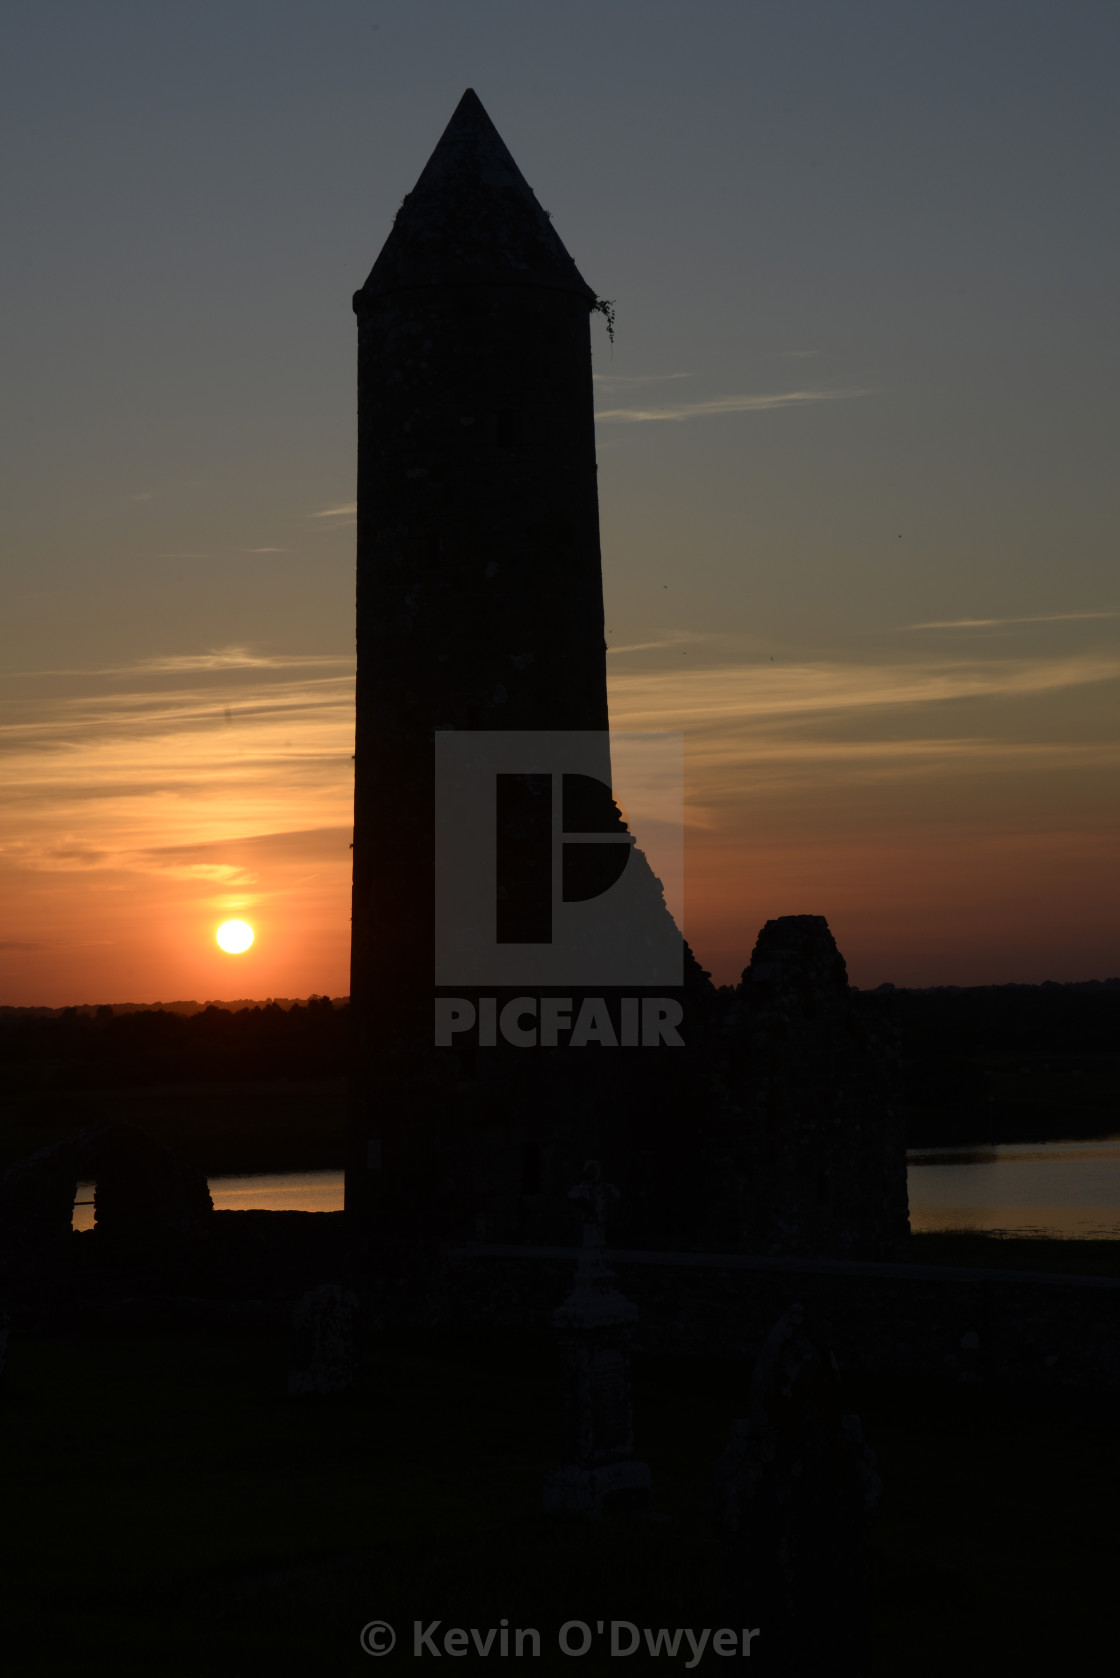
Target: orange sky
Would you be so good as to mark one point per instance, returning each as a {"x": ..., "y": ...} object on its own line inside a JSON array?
[
  {"x": 855, "y": 434},
  {"x": 929, "y": 807}
]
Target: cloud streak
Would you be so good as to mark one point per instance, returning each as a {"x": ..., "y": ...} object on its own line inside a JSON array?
[
  {"x": 132, "y": 787},
  {"x": 154, "y": 781},
  {"x": 161, "y": 757},
  {"x": 624, "y": 381},
  {"x": 795, "y": 728},
  {"x": 685, "y": 637},
  {"x": 101, "y": 780},
  {"x": 995, "y": 623},
  {"x": 228, "y": 658},
  {"x": 749, "y": 693},
  {"x": 728, "y": 405},
  {"x": 216, "y": 660}
]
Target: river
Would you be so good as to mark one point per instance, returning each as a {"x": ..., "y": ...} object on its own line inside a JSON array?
[{"x": 1069, "y": 1189}]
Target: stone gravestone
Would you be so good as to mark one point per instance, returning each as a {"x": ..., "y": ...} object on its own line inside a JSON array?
[
  {"x": 325, "y": 1342},
  {"x": 795, "y": 1492},
  {"x": 594, "y": 1326}
]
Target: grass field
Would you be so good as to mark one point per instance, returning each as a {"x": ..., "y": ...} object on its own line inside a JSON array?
[
  {"x": 169, "y": 1510},
  {"x": 968, "y": 1248},
  {"x": 277, "y": 1125},
  {"x": 296, "y": 1124}
]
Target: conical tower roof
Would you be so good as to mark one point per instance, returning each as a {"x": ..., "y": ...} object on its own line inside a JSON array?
[{"x": 472, "y": 219}]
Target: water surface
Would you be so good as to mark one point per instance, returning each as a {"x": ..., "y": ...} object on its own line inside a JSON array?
[
  {"x": 1069, "y": 1189},
  {"x": 274, "y": 1191}
]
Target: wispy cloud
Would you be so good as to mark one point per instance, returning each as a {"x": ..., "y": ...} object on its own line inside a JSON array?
[
  {"x": 624, "y": 381},
  {"x": 681, "y": 638},
  {"x": 100, "y": 781},
  {"x": 801, "y": 729},
  {"x": 729, "y": 405},
  {"x": 217, "y": 660},
  {"x": 119, "y": 733},
  {"x": 995, "y": 623},
  {"x": 264, "y": 550},
  {"x": 84, "y": 856},
  {"x": 240, "y": 860},
  {"x": 746, "y": 693},
  {"x": 129, "y": 786},
  {"x": 348, "y": 509},
  {"x": 228, "y": 658}
]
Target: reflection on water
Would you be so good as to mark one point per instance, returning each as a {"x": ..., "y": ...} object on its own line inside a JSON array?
[
  {"x": 278, "y": 1191},
  {"x": 1069, "y": 1189},
  {"x": 1021, "y": 1188},
  {"x": 283, "y": 1191}
]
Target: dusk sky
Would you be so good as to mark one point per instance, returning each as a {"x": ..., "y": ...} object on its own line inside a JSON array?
[{"x": 857, "y": 461}]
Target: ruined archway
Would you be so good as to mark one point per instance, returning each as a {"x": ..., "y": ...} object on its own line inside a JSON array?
[{"x": 145, "y": 1195}]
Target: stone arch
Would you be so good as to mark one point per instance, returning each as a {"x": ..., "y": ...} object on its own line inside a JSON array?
[{"x": 144, "y": 1193}]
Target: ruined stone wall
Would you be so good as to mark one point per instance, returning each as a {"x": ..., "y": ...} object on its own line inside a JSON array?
[
  {"x": 803, "y": 1152},
  {"x": 777, "y": 1129}
]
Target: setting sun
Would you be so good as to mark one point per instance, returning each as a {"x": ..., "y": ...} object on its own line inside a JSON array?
[{"x": 235, "y": 937}]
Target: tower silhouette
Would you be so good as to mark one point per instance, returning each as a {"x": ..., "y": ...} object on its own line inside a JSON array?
[
  {"x": 479, "y": 588},
  {"x": 479, "y": 608}
]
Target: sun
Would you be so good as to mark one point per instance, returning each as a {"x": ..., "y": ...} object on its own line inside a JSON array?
[{"x": 235, "y": 937}]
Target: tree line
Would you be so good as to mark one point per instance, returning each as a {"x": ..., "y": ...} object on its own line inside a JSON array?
[
  {"x": 943, "y": 1032},
  {"x": 102, "y": 1049}
]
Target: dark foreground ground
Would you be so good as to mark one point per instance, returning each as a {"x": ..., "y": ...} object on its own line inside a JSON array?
[{"x": 168, "y": 1510}]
